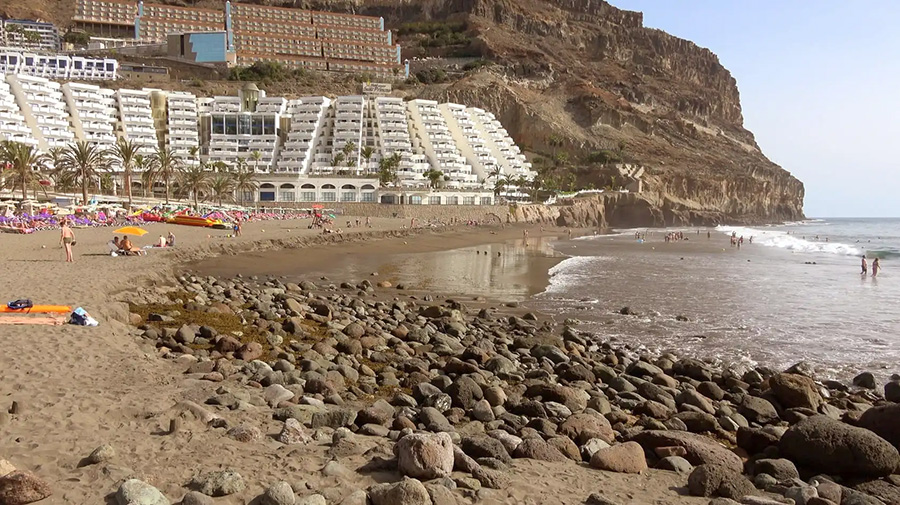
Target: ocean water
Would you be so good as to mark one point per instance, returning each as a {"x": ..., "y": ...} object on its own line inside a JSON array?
[{"x": 794, "y": 294}]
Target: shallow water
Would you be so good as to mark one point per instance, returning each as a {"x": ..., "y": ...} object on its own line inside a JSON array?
[{"x": 785, "y": 298}]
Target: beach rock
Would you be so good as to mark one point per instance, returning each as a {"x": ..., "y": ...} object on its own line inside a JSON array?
[
  {"x": 599, "y": 499},
  {"x": 136, "y": 492},
  {"x": 314, "y": 499},
  {"x": 801, "y": 494},
  {"x": 883, "y": 421},
  {"x": 222, "y": 483},
  {"x": 699, "y": 449},
  {"x": 6, "y": 467},
  {"x": 101, "y": 454},
  {"x": 425, "y": 455},
  {"x": 717, "y": 480},
  {"x": 884, "y": 491},
  {"x": 197, "y": 498},
  {"x": 406, "y": 492},
  {"x": 537, "y": 448},
  {"x": 279, "y": 493},
  {"x": 794, "y": 391},
  {"x": 755, "y": 440},
  {"x": 245, "y": 433},
  {"x": 622, "y": 458},
  {"x": 675, "y": 464},
  {"x": 865, "y": 380},
  {"x": 464, "y": 392},
  {"x": 276, "y": 393},
  {"x": 293, "y": 433},
  {"x": 334, "y": 418},
  {"x": 485, "y": 447},
  {"x": 250, "y": 351},
  {"x": 782, "y": 469},
  {"x": 822, "y": 444},
  {"x": 758, "y": 410},
  {"x": 892, "y": 391},
  {"x": 21, "y": 487},
  {"x": 585, "y": 426}
]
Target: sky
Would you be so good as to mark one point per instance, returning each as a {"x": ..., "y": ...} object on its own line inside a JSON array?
[{"x": 820, "y": 89}]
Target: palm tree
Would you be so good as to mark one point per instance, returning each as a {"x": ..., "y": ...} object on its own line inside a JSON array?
[
  {"x": 256, "y": 156},
  {"x": 367, "y": 153},
  {"x": 222, "y": 187},
  {"x": 387, "y": 169},
  {"x": 85, "y": 161},
  {"x": 23, "y": 160},
  {"x": 124, "y": 152},
  {"x": 194, "y": 179},
  {"x": 141, "y": 164},
  {"x": 164, "y": 166},
  {"x": 348, "y": 149},
  {"x": 434, "y": 177},
  {"x": 337, "y": 160},
  {"x": 241, "y": 165},
  {"x": 244, "y": 182}
]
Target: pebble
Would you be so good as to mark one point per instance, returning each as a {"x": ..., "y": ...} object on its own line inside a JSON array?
[
  {"x": 136, "y": 492},
  {"x": 101, "y": 454},
  {"x": 279, "y": 493}
]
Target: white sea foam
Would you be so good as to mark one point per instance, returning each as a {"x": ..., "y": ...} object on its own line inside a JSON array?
[
  {"x": 568, "y": 272},
  {"x": 782, "y": 240}
]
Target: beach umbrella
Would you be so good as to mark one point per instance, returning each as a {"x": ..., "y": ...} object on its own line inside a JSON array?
[{"x": 132, "y": 230}]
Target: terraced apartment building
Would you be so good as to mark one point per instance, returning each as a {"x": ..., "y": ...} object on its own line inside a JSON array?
[{"x": 296, "y": 38}]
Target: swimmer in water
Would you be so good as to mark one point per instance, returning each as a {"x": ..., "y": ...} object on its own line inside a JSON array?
[
  {"x": 865, "y": 266},
  {"x": 875, "y": 267}
]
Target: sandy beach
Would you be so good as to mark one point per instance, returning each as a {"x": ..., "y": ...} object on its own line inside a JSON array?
[{"x": 79, "y": 387}]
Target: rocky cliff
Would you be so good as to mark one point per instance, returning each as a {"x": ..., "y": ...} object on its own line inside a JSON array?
[{"x": 579, "y": 76}]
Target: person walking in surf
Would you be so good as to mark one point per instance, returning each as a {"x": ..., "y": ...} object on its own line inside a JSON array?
[
  {"x": 865, "y": 266},
  {"x": 875, "y": 267}
]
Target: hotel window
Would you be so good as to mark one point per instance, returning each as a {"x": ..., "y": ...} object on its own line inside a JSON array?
[
  {"x": 328, "y": 196},
  {"x": 485, "y": 200},
  {"x": 468, "y": 200},
  {"x": 452, "y": 200},
  {"x": 348, "y": 196}
]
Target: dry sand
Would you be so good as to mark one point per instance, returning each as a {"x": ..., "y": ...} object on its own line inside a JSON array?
[{"x": 80, "y": 387}]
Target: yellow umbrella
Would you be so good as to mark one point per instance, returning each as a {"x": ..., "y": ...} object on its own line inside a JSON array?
[{"x": 132, "y": 230}]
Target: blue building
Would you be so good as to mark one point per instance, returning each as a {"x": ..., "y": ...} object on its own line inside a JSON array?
[{"x": 200, "y": 47}]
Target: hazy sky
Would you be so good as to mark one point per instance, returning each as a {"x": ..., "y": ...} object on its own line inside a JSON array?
[{"x": 820, "y": 89}]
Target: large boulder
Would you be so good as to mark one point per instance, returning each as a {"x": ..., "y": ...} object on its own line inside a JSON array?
[
  {"x": 405, "y": 492},
  {"x": 21, "y": 487},
  {"x": 758, "y": 410},
  {"x": 622, "y": 458},
  {"x": 794, "y": 391},
  {"x": 717, "y": 480},
  {"x": 585, "y": 426},
  {"x": 822, "y": 444},
  {"x": 700, "y": 450},
  {"x": 136, "y": 492},
  {"x": 537, "y": 448},
  {"x": 782, "y": 469},
  {"x": 884, "y": 421},
  {"x": 425, "y": 455}
]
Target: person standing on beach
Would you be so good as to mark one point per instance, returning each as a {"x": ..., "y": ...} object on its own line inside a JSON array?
[
  {"x": 865, "y": 266},
  {"x": 66, "y": 239},
  {"x": 875, "y": 267}
]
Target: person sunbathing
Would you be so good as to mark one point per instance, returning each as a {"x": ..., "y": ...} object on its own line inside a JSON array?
[{"x": 128, "y": 248}]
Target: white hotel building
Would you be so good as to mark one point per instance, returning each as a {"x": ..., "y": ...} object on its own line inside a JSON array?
[
  {"x": 92, "y": 113},
  {"x": 297, "y": 140}
]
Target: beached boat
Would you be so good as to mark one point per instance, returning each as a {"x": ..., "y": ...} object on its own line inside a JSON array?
[{"x": 204, "y": 222}]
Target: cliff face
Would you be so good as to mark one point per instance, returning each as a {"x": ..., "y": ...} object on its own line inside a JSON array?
[{"x": 592, "y": 75}]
